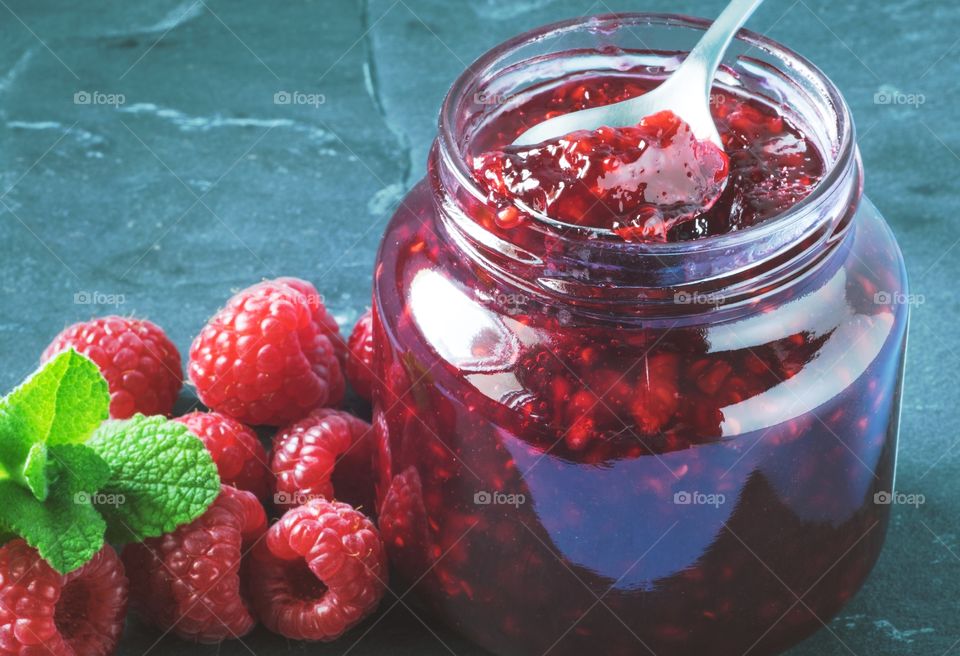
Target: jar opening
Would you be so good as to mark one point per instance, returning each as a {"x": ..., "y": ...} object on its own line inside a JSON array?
[{"x": 756, "y": 66}]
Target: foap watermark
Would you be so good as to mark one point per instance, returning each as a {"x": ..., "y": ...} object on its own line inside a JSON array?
[
  {"x": 890, "y": 96},
  {"x": 685, "y": 498},
  {"x": 491, "y": 98},
  {"x": 698, "y": 298},
  {"x": 883, "y": 498},
  {"x": 310, "y": 299},
  {"x": 99, "y": 499},
  {"x": 294, "y": 498},
  {"x": 99, "y": 98},
  {"x": 898, "y": 298},
  {"x": 512, "y": 303},
  {"x": 98, "y": 298},
  {"x": 484, "y": 498},
  {"x": 299, "y": 98}
]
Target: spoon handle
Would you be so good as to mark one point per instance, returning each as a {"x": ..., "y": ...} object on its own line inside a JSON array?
[
  {"x": 691, "y": 81},
  {"x": 705, "y": 58}
]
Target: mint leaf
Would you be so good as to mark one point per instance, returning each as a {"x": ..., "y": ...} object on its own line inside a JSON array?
[
  {"x": 77, "y": 468},
  {"x": 163, "y": 474},
  {"x": 67, "y": 531},
  {"x": 34, "y": 470},
  {"x": 61, "y": 403}
]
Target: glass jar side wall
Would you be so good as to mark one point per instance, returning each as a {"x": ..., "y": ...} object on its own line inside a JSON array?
[{"x": 695, "y": 479}]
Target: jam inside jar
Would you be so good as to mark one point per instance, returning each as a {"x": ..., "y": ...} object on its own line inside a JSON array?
[{"x": 670, "y": 447}]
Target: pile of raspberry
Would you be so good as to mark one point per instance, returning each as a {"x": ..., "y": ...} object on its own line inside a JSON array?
[{"x": 273, "y": 356}]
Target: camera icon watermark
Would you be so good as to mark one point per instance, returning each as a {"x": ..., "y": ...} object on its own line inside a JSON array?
[
  {"x": 484, "y": 498},
  {"x": 98, "y": 98},
  {"x": 887, "y": 96},
  {"x": 98, "y": 298},
  {"x": 884, "y": 498},
  {"x": 294, "y": 498},
  {"x": 299, "y": 98},
  {"x": 898, "y": 298},
  {"x": 491, "y": 98},
  {"x": 685, "y": 498},
  {"x": 99, "y": 499}
]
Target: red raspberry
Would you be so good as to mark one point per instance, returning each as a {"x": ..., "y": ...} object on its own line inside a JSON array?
[
  {"x": 321, "y": 570},
  {"x": 44, "y": 612},
  {"x": 360, "y": 357},
  {"x": 188, "y": 581},
  {"x": 329, "y": 451},
  {"x": 270, "y": 356},
  {"x": 404, "y": 523},
  {"x": 140, "y": 363},
  {"x": 240, "y": 457}
]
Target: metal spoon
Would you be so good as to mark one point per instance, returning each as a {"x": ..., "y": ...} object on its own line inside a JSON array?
[{"x": 686, "y": 92}]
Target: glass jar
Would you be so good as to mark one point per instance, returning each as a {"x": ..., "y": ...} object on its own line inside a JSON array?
[{"x": 673, "y": 448}]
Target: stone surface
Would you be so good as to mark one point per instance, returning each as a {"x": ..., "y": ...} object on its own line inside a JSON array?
[{"x": 194, "y": 181}]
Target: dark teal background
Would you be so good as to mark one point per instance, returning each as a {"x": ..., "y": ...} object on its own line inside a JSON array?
[{"x": 199, "y": 184}]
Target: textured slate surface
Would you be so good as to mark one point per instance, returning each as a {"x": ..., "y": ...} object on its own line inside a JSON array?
[{"x": 198, "y": 182}]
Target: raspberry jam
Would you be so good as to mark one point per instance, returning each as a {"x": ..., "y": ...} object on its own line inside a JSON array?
[
  {"x": 637, "y": 181},
  {"x": 651, "y": 446},
  {"x": 640, "y": 182}
]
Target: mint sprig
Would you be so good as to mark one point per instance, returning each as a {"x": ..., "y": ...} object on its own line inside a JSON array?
[
  {"x": 68, "y": 478},
  {"x": 62, "y": 403},
  {"x": 162, "y": 472}
]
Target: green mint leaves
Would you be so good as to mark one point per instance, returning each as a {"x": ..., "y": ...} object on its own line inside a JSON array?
[
  {"x": 68, "y": 478},
  {"x": 67, "y": 533},
  {"x": 78, "y": 468},
  {"x": 163, "y": 473},
  {"x": 62, "y": 403}
]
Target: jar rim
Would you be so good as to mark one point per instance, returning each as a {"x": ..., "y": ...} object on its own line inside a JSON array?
[{"x": 799, "y": 66}]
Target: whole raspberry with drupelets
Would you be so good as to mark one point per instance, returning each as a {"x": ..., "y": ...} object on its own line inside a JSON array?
[
  {"x": 45, "y": 612},
  {"x": 327, "y": 454},
  {"x": 360, "y": 358},
  {"x": 141, "y": 364},
  {"x": 188, "y": 581},
  {"x": 321, "y": 570},
  {"x": 271, "y": 355}
]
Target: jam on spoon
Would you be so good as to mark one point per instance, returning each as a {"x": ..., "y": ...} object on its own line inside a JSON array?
[{"x": 637, "y": 181}]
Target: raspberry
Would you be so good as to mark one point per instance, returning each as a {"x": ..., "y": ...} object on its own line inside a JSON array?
[
  {"x": 240, "y": 457},
  {"x": 140, "y": 363},
  {"x": 328, "y": 451},
  {"x": 404, "y": 522},
  {"x": 44, "y": 612},
  {"x": 270, "y": 356},
  {"x": 188, "y": 581},
  {"x": 360, "y": 357},
  {"x": 321, "y": 570}
]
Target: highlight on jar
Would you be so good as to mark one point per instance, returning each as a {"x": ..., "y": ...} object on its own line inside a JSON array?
[{"x": 638, "y": 381}]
